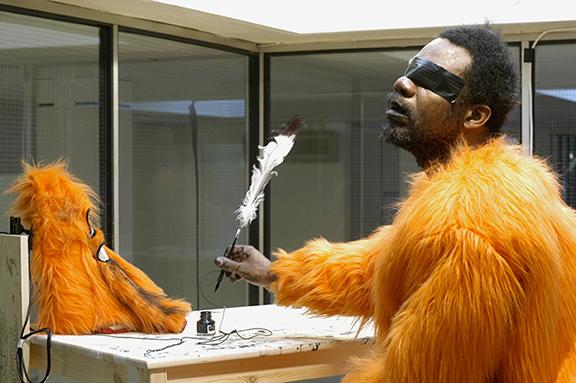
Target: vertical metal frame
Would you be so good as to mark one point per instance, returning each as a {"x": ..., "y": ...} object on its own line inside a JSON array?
[
  {"x": 254, "y": 139},
  {"x": 526, "y": 97},
  {"x": 264, "y": 131},
  {"x": 106, "y": 139},
  {"x": 114, "y": 110}
]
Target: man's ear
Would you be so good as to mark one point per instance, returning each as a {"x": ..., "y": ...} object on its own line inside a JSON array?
[{"x": 477, "y": 116}]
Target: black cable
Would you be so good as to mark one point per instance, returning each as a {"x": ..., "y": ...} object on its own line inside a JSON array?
[
  {"x": 193, "y": 115},
  {"x": 224, "y": 336},
  {"x": 202, "y": 291},
  {"x": 22, "y": 373},
  {"x": 148, "y": 353},
  {"x": 215, "y": 340}
]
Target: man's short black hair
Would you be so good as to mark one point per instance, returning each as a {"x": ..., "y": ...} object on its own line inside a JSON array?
[{"x": 492, "y": 78}]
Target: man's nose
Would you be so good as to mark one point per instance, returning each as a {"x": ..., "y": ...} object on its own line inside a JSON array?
[{"x": 405, "y": 87}]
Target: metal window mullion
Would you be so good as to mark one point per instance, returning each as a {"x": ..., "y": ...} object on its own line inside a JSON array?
[
  {"x": 264, "y": 111},
  {"x": 115, "y": 141},
  {"x": 261, "y": 104},
  {"x": 527, "y": 131},
  {"x": 254, "y": 233}
]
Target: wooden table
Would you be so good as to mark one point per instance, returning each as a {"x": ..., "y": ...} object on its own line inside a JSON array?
[{"x": 300, "y": 347}]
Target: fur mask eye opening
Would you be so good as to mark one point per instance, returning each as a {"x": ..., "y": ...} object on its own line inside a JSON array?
[
  {"x": 101, "y": 254},
  {"x": 92, "y": 232}
]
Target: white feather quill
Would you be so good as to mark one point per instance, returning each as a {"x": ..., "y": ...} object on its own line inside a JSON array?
[{"x": 270, "y": 156}]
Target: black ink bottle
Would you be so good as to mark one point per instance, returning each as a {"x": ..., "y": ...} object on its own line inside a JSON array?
[{"x": 206, "y": 325}]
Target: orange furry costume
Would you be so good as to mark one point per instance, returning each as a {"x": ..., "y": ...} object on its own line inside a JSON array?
[
  {"x": 475, "y": 280},
  {"x": 81, "y": 285}
]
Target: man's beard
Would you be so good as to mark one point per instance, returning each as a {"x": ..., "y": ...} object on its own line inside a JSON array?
[
  {"x": 427, "y": 144},
  {"x": 406, "y": 138},
  {"x": 400, "y": 136}
]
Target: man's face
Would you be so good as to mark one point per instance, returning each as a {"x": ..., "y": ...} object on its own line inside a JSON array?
[{"x": 421, "y": 121}]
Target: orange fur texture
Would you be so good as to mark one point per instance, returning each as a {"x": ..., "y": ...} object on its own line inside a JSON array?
[
  {"x": 475, "y": 280},
  {"x": 74, "y": 292}
]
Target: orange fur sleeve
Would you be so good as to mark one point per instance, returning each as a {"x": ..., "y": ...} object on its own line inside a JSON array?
[{"x": 330, "y": 278}]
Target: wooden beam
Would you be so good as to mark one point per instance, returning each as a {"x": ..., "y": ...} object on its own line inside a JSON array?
[
  {"x": 272, "y": 369},
  {"x": 14, "y": 297}
]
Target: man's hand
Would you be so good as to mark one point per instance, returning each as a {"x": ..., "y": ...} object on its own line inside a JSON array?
[{"x": 248, "y": 263}]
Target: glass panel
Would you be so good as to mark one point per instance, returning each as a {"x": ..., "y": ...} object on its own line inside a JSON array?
[
  {"x": 341, "y": 181},
  {"x": 555, "y": 111},
  {"x": 49, "y": 92},
  {"x": 183, "y": 149}
]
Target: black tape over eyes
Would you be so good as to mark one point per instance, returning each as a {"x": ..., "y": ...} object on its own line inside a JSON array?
[{"x": 433, "y": 77}]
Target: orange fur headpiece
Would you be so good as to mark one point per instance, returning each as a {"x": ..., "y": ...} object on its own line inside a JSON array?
[{"x": 82, "y": 286}]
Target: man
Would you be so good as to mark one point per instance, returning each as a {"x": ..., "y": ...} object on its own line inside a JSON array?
[{"x": 475, "y": 280}]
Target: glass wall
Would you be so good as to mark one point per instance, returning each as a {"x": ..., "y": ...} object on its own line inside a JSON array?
[
  {"x": 555, "y": 112},
  {"x": 183, "y": 162},
  {"x": 341, "y": 181},
  {"x": 49, "y": 98}
]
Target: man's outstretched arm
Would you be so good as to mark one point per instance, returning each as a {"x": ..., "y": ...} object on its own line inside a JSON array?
[{"x": 328, "y": 278}]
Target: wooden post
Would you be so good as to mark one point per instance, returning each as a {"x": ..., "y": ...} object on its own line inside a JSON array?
[{"x": 14, "y": 287}]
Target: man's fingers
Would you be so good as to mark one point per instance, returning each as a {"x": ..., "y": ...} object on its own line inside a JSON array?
[
  {"x": 239, "y": 253},
  {"x": 235, "y": 277},
  {"x": 227, "y": 264}
]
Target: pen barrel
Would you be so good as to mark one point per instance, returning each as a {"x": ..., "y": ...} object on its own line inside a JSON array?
[{"x": 227, "y": 255}]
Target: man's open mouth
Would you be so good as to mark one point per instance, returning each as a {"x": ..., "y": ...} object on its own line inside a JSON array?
[{"x": 397, "y": 112}]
